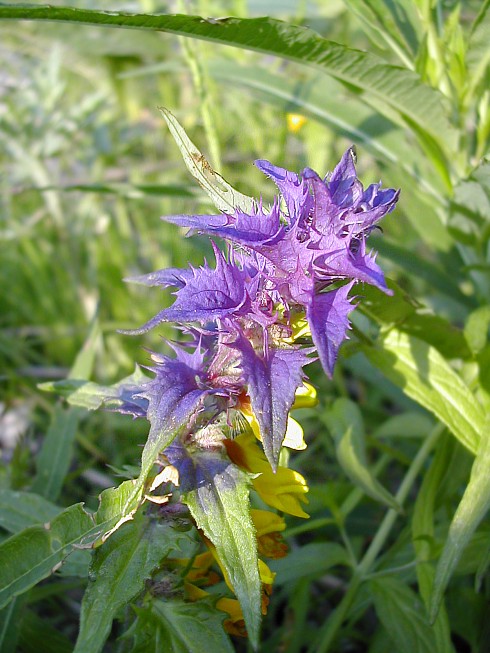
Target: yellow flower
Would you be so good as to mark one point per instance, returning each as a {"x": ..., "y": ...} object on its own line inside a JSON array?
[
  {"x": 305, "y": 397},
  {"x": 268, "y": 525},
  {"x": 295, "y": 121},
  {"x": 235, "y": 624},
  {"x": 284, "y": 490}
]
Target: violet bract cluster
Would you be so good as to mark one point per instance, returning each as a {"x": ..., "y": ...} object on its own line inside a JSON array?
[
  {"x": 277, "y": 298},
  {"x": 292, "y": 265}
]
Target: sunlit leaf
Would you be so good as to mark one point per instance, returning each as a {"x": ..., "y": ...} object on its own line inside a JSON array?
[
  {"x": 425, "y": 376},
  {"x": 476, "y": 329},
  {"x": 223, "y": 196},
  {"x": 397, "y": 88},
  {"x": 403, "y": 311},
  {"x": 471, "y": 510},
  {"x": 326, "y": 102},
  {"x": 220, "y": 505},
  {"x": 478, "y": 54},
  {"x": 469, "y": 219},
  {"x": 86, "y": 394},
  {"x": 396, "y": 24}
]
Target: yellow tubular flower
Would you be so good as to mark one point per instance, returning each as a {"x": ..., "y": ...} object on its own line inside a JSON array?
[
  {"x": 268, "y": 525},
  {"x": 306, "y": 397},
  {"x": 235, "y": 624},
  {"x": 285, "y": 490},
  {"x": 295, "y": 437}
]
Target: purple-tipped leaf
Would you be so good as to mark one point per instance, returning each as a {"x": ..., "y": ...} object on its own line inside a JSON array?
[
  {"x": 271, "y": 383},
  {"x": 328, "y": 321}
]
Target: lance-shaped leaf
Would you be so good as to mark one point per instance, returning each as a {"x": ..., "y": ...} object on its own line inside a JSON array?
[
  {"x": 19, "y": 510},
  {"x": 425, "y": 376},
  {"x": 55, "y": 457},
  {"x": 223, "y": 196},
  {"x": 33, "y": 554},
  {"x": 217, "y": 494},
  {"x": 391, "y": 86},
  {"x": 121, "y": 396},
  {"x": 272, "y": 382},
  {"x": 344, "y": 421},
  {"x": 471, "y": 510},
  {"x": 120, "y": 568},
  {"x": 423, "y": 536}
]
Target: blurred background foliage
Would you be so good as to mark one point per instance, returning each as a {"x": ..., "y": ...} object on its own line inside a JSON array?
[{"x": 88, "y": 166}]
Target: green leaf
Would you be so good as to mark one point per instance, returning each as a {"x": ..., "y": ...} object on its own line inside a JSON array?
[
  {"x": 10, "y": 623},
  {"x": 92, "y": 395},
  {"x": 478, "y": 52},
  {"x": 55, "y": 457},
  {"x": 425, "y": 376},
  {"x": 344, "y": 420},
  {"x": 134, "y": 191},
  {"x": 19, "y": 510},
  {"x": 220, "y": 507},
  {"x": 403, "y": 615},
  {"x": 223, "y": 196},
  {"x": 37, "y": 634},
  {"x": 469, "y": 218},
  {"x": 395, "y": 23},
  {"x": 420, "y": 267},
  {"x": 471, "y": 510},
  {"x": 85, "y": 394},
  {"x": 84, "y": 362},
  {"x": 404, "y": 312},
  {"x": 119, "y": 570},
  {"x": 395, "y": 88},
  {"x": 476, "y": 329},
  {"x": 36, "y": 552},
  {"x": 313, "y": 559},
  {"x": 423, "y": 533},
  {"x": 409, "y": 424},
  {"x": 324, "y": 100},
  {"x": 174, "y": 626}
]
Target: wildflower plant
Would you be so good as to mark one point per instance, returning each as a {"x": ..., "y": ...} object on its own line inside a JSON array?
[
  {"x": 276, "y": 298},
  {"x": 193, "y": 544}
]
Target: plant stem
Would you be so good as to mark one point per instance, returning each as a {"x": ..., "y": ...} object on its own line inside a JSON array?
[{"x": 329, "y": 632}]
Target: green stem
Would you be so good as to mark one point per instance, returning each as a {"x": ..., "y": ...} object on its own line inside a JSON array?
[
  {"x": 199, "y": 80},
  {"x": 329, "y": 632}
]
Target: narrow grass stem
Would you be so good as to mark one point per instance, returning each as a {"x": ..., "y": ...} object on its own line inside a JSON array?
[
  {"x": 200, "y": 84},
  {"x": 329, "y": 632}
]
